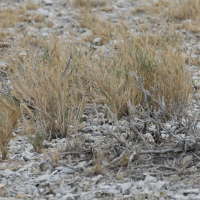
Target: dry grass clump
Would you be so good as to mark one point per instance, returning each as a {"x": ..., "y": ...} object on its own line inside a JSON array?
[
  {"x": 31, "y": 6},
  {"x": 180, "y": 9},
  {"x": 39, "y": 18},
  {"x": 99, "y": 27},
  {"x": 187, "y": 9},
  {"x": 50, "y": 83},
  {"x": 9, "y": 116},
  {"x": 159, "y": 61},
  {"x": 90, "y": 3},
  {"x": 153, "y": 7},
  {"x": 9, "y": 17},
  {"x": 192, "y": 26}
]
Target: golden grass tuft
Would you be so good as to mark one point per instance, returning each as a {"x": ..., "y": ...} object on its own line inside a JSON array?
[
  {"x": 156, "y": 58},
  {"x": 188, "y": 9},
  {"x": 99, "y": 27},
  {"x": 9, "y": 17},
  {"x": 31, "y": 6},
  {"x": 51, "y": 84},
  {"x": 90, "y": 3},
  {"x": 9, "y": 116},
  {"x": 180, "y": 9}
]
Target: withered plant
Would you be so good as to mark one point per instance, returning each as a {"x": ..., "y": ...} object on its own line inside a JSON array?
[
  {"x": 9, "y": 116},
  {"x": 90, "y": 3},
  {"x": 9, "y": 17},
  {"x": 100, "y": 27},
  {"x": 158, "y": 58},
  {"x": 188, "y": 9},
  {"x": 50, "y": 85}
]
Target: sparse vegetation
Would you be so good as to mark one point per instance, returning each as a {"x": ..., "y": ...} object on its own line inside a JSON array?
[
  {"x": 179, "y": 10},
  {"x": 102, "y": 88},
  {"x": 9, "y": 116},
  {"x": 188, "y": 9},
  {"x": 90, "y": 3},
  {"x": 52, "y": 85},
  {"x": 99, "y": 27},
  {"x": 164, "y": 68}
]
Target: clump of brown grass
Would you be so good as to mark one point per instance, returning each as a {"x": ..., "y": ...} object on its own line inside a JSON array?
[
  {"x": 100, "y": 28},
  {"x": 188, "y": 9},
  {"x": 39, "y": 18},
  {"x": 107, "y": 8},
  {"x": 156, "y": 58},
  {"x": 98, "y": 167},
  {"x": 50, "y": 82},
  {"x": 9, "y": 17},
  {"x": 31, "y": 6},
  {"x": 181, "y": 10},
  {"x": 90, "y": 3},
  {"x": 9, "y": 116}
]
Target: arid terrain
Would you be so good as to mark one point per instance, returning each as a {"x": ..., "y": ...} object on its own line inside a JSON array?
[{"x": 99, "y": 99}]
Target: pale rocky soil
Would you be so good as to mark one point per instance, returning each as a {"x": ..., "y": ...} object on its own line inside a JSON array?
[{"x": 29, "y": 175}]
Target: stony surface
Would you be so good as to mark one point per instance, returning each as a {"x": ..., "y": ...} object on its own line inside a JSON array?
[{"x": 57, "y": 175}]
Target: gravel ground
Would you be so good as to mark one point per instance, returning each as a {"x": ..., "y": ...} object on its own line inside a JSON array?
[{"x": 77, "y": 175}]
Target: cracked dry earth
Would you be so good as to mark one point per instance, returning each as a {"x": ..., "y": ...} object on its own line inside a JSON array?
[{"x": 67, "y": 169}]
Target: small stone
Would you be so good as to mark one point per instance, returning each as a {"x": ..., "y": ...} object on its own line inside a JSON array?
[
  {"x": 86, "y": 35},
  {"x": 48, "y": 2},
  {"x": 43, "y": 178},
  {"x": 160, "y": 184},
  {"x": 98, "y": 41},
  {"x": 125, "y": 187},
  {"x": 150, "y": 179},
  {"x": 23, "y": 53},
  {"x": 186, "y": 160},
  {"x": 2, "y": 187},
  {"x": 84, "y": 117},
  {"x": 28, "y": 156},
  {"x": 46, "y": 165},
  {"x": 191, "y": 191},
  {"x": 149, "y": 137},
  {"x": 87, "y": 130},
  {"x": 43, "y": 12},
  {"x": 6, "y": 173}
]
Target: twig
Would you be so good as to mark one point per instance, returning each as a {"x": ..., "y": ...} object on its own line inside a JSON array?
[
  {"x": 74, "y": 152},
  {"x": 163, "y": 151},
  {"x": 139, "y": 134},
  {"x": 116, "y": 159},
  {"x": 67, "y": 66},
  {"x": 167, "y": 167},
  {"x": 71, "y": 167}
]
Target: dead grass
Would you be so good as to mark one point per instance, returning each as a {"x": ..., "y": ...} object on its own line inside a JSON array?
[
  {"x": 31, "y": 6},
  {"x": 188, "y": 9},
  {"x": 90, "y": 3},
  {"x": 52, "y": 85},
  {"x": 180, "y": 9},
  {"x": 158, "y": 59},
  {"x": 107, "y": 9},
  {"x": 9, "y": 17},
  {"x": 99, "y": 27},
  {"x": 39, "y": 18},
  {"x": 9, "y": 116}
]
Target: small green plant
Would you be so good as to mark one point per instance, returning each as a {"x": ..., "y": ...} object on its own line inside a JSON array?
[{"x": 37, "y": 141}]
